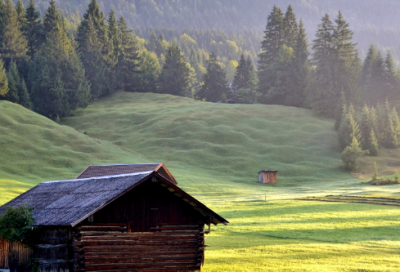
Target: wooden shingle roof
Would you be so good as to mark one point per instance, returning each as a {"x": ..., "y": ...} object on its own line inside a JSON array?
[
  {"x": 66, "y": 202},
  {"x": 69, "y": 202},
  {"x": 118, "y": 169}
]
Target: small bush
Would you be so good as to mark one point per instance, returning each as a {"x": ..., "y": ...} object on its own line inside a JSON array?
[
  {"x": 16, "y": 225},
  {"x": 351, "y": 154}
]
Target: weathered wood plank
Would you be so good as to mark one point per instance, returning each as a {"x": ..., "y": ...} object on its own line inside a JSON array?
[
  {"x": 176, "y": 265},
  {"x": 142, "y": 260},
  {"x": 186, "y": 269},
  {"x": 103, "y": 228},
  {"x": 134, "y": 253},
  {"x": 161, "y": 235},
  {"x": 176, "y": 228},
  {"x": 138, "y": 248},
  {"x": 192, "y": 242}
]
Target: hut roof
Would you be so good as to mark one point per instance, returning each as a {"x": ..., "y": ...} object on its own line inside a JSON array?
[
  {"x": 69, "y": 202},
  {"x": 118, "y": 169},
  {"x": 274, "y": 171}
]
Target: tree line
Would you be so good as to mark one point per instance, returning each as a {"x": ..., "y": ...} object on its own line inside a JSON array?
[{"x": 54, "y": 73}]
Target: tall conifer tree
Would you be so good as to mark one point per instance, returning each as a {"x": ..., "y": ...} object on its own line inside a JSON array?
[
  {"x": 3, "y": 80},
  {"x": 52, "y": 18},
  {"x": 129, "y": 57},
  {"x": 93, "y": 41},
  {"x": 151, "y": 46},
  {"x": 14, "y": 44},
  {"x": 21, "y": 15},
  {"x": 33, "y": 30},
  {"x": 334, "y": 57},
  {"x": 18, "y": 92},
  {"x": 214, "y": 86},
  {"x": 291, "y": 28},
  {"x": 58, "y": 78},
  {"x": 273, "y": 40},
  {"x": 175, "y": 75},
  {"x": 300, "y": 69},
  {"x": 2, "y": 20}
]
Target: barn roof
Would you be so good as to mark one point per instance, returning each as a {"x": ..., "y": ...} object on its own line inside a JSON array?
[
  {"x": 118, "y": 169},
  {"x": 69, "y": 202}
]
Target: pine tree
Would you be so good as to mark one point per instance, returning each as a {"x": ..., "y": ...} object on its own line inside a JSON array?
[
  {"x": 348, "y": 130},
  {"x": 21, "y": 15},
  {"x": 241, "y": 78},
  {"x": 93, "y": 41},
  {"x": 300, "y": 69},
  {"x": 33, "y": 30},
  {"x": 391, "y": 85},
  {"x": 129, "y": 57},
  {"x": 160, "y": 46},
  {"x": 282, "y": 70},
  {"x": 334, "y": 59},
  {"x": 114, "y": 37},
  {"x": 95, "y": 68},
  {"x": 3, "y": 80},
  {"x": 18, "y": 92},
  {"x": 175, "y": 75},
  {"x": 214, "y": 86},
  {"x": 14, "y": 44},
  {"x": 151, "y": 45},
  {"x": 270, "y": 47},
  {"x": 149, "y": 70},
  {"x": 24, "y": 98},
  {"x": 388, "y": 126},
  {"x": 58, "y": 78},
  {"x": 373, "y": 146},
  {"x": 2, "y": 20},
  {"x": 113, "y": 34},
  {"x": 13, "y": 83},
  {"x": 341, "y": 111},
  {"x": 365, "y": 127},
  {"x": 245, "y": 82},
  {"x": 394, "y": 128},
  {"x": 291, "y": 28},
  {"x": 52, "y": 18},
  {"x": 373, "y": 77}
]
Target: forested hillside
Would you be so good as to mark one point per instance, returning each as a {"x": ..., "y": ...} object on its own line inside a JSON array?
[
  {"x": 52, "y": 65},
  {"x": 374, "y": 21}
]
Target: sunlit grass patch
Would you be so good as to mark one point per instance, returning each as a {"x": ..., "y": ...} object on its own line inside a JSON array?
[
  {"x": 305, "y": 236},
  {"x": 10, "y": 189}
]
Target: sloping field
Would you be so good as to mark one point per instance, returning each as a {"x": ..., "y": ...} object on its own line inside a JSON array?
[
  {"x": 219, "y": 146},
  {"x": 34, "y": 148},
  {"x": 215, "y": 152}
]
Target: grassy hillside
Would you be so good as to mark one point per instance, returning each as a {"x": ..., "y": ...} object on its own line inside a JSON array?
[
  {"x": 219, "y": 144},
  {"x": 215, "y": 152},
  {"x": 34, "y": 148}
]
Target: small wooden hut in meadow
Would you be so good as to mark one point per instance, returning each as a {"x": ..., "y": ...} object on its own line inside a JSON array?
[
  {"x": 139, "y": 221},
  {"x": 268, "y": 176}
]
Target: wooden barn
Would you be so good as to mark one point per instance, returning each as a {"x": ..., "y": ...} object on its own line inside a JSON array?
[
  {"x": 268, "y": 176},
  {"x": 138, "y": 221}
]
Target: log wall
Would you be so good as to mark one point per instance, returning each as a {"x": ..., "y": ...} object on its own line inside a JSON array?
[
  {"x": 111, "y": 247},
  {"x": 53, "y": 251},
  {"x": 15, "y": 256}
]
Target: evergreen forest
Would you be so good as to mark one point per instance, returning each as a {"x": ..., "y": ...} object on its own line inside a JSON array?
[{"x": 58, "y": 62}]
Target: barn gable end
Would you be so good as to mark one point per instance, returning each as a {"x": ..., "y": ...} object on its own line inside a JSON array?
[{"x": 137, "y": 222}]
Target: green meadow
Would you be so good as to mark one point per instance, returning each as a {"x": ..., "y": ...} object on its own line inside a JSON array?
[{"x": 215, "y": 152}]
